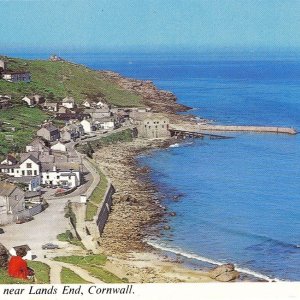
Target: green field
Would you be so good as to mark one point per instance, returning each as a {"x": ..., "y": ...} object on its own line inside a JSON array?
[
  {"x": 68, "y": 276},
  {"x": 56, "y": 80},
  {"x": 53, "y": 80},
  {"x": 19, "y": 126},
  {"x": 70, "y": 238},
  {"x": 94, "y": 265}
]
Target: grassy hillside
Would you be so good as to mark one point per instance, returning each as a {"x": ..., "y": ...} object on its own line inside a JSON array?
[
  {"x": 54, "y": 80},
  {"x": 19, "y": 126},
  {"x": 59, "y": 79}
]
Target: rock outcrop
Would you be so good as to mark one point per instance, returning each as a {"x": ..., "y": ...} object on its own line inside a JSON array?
[
  {"x": 4, "y": 256},
  {"x": 224, "y": 273},
  {"x": 157, "y": 100}
]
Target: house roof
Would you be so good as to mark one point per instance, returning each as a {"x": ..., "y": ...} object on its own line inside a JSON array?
[
  {"x": 71, "y": 116},
  {"x": 37, "y": 141},
  {"x": 60, "y": 166},
  {"x": 51, "y": 104},
  {"x": 26, "y": 247},
  {"x": 6, "y": 188},
  {"x": 68, "y": 100},
  {"x": 23, "y": 179},
  {"x": 49, "y": 127},
  {"x": 9, "y": 166},
  {"x": 11, "y": 158},
  {"x": 31, "y": 157},
  {"x": 104, "y": 119},
  {"x": 147, "y": 115},
  {"x": 32, "y": 194}
]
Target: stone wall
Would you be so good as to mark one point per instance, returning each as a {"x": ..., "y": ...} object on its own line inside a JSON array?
[{"x": 104, "y": 208}]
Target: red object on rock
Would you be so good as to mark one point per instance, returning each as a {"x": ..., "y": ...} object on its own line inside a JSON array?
[{"x": 17, "y": 267}]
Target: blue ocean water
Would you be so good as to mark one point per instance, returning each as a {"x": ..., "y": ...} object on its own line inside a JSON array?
[{"x": 241, "y": 196}]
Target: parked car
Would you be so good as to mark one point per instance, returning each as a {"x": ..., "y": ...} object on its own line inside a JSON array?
[
  {"x": 49, "y": 246},
  {"x": 1, "y": 230}
]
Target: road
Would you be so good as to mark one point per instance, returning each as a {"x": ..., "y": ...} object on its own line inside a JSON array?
[
  {"x": 42, "y": 229},
  {"x": 47, "y": 225}
]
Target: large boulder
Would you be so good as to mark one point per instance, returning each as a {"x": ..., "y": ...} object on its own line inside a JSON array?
[
  {"x": 4, "y": 256},
  {"x": 224, "y": 273},
  {"x": 228, "y": 276}
]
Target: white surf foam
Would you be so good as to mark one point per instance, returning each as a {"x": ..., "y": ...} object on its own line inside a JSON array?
[
  {"x": 208, "y": 260},
  {"x": 174, "y": 146}
]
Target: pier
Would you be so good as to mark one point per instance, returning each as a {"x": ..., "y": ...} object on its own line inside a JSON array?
[
  {"x": 194, "y": 134},
  {"x": 200, "y": 131},
  {"x": 257, "y": 129}
]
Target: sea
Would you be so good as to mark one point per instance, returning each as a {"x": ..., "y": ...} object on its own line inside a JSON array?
[{"x": 236, "y": 200}]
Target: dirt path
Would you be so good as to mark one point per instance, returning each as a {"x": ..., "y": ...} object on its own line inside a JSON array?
[{"x": 56, "y": 267}]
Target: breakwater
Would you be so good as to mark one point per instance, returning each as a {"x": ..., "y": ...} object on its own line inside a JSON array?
[
  {"x": 258, "y": 129},
  {"x": 231, "y": 128}
]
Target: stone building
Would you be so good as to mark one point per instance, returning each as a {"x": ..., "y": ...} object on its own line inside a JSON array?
[
  {"x": 151, "y": 125},
  {"x": 12, "y": 202},
  {"x": 16, "y": 76},
  {"x": 49, "y": 132}
]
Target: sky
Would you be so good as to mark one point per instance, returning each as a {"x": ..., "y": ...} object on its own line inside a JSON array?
[{"x": 90, "y": 25}]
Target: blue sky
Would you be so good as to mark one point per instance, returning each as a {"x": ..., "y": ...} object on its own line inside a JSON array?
[{"x": 145, "y": 24}]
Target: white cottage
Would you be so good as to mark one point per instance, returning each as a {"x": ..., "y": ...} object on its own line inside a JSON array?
[
  {"x": 68, "y": 102},
  {"x": 88, "y": 126}
]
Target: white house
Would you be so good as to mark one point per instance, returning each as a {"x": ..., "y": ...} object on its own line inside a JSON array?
[
  {"x": 87, "y": 104},
  {"x": 33, "y": 100},
  {"x": 88, "y": 126},
  {"x": 68, "y": 102},
  {"x": 61, "y": 174},
  {"x": 29, "y": 166},
  {"x": 59, "y": 147},
  {"x": 106, "y": 123},
  {"x": 29, "y": 100}
]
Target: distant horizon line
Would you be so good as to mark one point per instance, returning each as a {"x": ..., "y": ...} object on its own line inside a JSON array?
[{"x": 159, "y": 50}]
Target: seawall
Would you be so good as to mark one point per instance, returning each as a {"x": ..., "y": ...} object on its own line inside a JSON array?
[{"x": 259, "y": 129}]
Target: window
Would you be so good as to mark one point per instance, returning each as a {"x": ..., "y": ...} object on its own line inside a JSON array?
[
  {"x": 29, "y": 173},
  {"x": 35, "y": 172},
  {"x": 23, "y": 173},
  {"x": 47, "y": 176},
  {"x": 57, "y": 177},
  {"x": 28, "y": 165}
]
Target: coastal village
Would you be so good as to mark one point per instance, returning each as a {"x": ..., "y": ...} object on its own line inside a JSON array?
[
  {"x": 77, "y": 171},
  {"x": 53, "y": 177}
]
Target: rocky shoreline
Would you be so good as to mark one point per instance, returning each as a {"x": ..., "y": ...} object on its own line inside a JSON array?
[
  {"x": 135, "y": 212},
  {"x": 136, "y": 205},
  {"x": 158, "y": 100}
]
